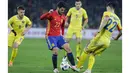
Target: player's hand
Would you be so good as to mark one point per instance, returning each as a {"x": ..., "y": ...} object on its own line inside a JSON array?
[
  {"x": 82, "y": 28},
  {"x": 25, "y": 31},
  {"x": 14, "y": 32},
  {"x": 95, "y": 34},
  {"x": 114, "y": 38},
  {"x": 46, "y": 36},
  {"x": 51, "y": 10},
  {"x": 66, "y": 24},
  {"x": 23, "y": 34}
]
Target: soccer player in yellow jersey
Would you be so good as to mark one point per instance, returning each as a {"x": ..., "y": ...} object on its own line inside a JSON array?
[
  {"x": 17, "y": 25},
  {"x": 77, "y": 14},
  {"x": 102, "y": 40}
]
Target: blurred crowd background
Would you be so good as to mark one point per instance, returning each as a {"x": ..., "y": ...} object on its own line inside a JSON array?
[{"x": 35, "y": 8}]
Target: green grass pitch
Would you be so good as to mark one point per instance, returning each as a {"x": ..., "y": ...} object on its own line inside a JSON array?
[{"x": 34, "y": 57}]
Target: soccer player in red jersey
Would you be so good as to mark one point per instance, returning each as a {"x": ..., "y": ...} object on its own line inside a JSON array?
[{"x": 54, "y": 32}]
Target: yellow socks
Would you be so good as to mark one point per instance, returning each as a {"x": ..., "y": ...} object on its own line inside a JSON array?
[
  {"x": 82, "y": 59},
  {"x": 91, "y": 62},
  {"x": 78, "y": 50},
  {"x": 14, "y": 53}
]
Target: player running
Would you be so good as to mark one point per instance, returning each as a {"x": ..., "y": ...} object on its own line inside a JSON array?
[
  {"x": 54, "y": 38},
  {"x": 17, "y": 25},
  {"x": 102, "y": 40},
  {"x": 77, "y": 14}
]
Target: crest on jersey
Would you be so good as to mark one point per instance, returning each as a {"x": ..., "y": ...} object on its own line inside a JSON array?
[
  {"x": 23, "y": 22},
  {"x": 52, "y": 44},
  {"x": 80, "y": 12}
]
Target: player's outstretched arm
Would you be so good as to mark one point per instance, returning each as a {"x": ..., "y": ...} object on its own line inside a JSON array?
[
  {"x": 27, "y": 29},
  {"x": 9, "y": 23},
  {"x": 85, "y": 19},
  {"x": 119, "y": 27},
  {"x": 46, "y": 15},
  {"x": 10, "y": 27},
  {"x": 62, "y": 28},
  {"x": 119, "y": 35},
  {"x": 85, "y": 23},
  {"x": 29, "y": 25},
  {"x": 66, "y": 21},
  {"x": 67, "y": 17}
]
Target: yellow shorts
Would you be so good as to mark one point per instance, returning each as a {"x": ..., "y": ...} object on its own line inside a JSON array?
[
  {"x": 14, "y": 39},
  {"x": 76, "y": 32},
  {"x": 98, "y": 46}
]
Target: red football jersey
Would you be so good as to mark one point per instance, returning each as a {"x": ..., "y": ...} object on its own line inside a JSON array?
[{"x": 55, "y": 23}]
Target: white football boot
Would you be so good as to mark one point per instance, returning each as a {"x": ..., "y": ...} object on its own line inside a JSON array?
[
  {"x": 87, "y": 71},
  {"x": 56, "y": 70}
]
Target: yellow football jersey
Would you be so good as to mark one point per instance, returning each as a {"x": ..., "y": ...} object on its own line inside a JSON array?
[
  {"x": 112, "y": 23},
  {"x": 76, "y": 17},
  {"x": 19, "y": 25}
]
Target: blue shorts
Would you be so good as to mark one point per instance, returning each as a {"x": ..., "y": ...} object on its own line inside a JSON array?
[{"x": 55, "y": 41}]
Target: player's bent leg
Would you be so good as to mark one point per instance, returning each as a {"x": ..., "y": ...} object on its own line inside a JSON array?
[
  {"x": 54, "y": 59},
  {"x": 70, "y": 56},
  {"x": 91, "y": 61},
  {"x": 65, "y": 57},
  {"x": 78, "y": 48},
  {"x": 14, "y": 53},
  {"x": 68, "y": 37},
  {"x": 67, "y": 48},
  {"x": 99, "y": 51},
  {"x": 17, "y": 42},
  {"x": 82, "y": 59}
]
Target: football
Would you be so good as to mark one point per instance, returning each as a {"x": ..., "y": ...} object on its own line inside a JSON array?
[{"x": 64, "y": 66}]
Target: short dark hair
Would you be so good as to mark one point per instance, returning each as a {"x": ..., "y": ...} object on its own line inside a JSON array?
[
  {"x": 78, "y": 1},
  {"x": 20, "y": 8},
  {"x": 61, "y": 4},
  {"x": 111, "y": 4}
]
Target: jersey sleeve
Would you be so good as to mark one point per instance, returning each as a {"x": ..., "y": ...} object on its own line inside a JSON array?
[
  {"x": 85, "y": 14},
  {"x": 10, "y": 21},
  {"x": 69, "y": 12},
  {"x": 28, "y": 21},
  {"x": 119, "y": 27},
  {"x": 106, "y": 14}
]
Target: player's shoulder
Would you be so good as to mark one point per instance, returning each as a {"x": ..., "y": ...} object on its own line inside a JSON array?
[
  {"x": 26, "y": 17},
  {"x": 13, "y": 17},
  {"x": 117, "y": 17},
  {"x": 72, "y": 8},
  {"x": 83, "y": 9},
  {"x": 53, "y": 12},
  {"x": 106, "y": 13}
]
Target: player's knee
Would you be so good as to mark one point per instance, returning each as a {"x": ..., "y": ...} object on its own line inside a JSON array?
[
  {"x": 15, "y": 45},
  {"x": 55, "y": 51},
  {"x": 67, "y": 48},
  {"x": 78, "y": 41},
  {"x": 68, "y": 40},
  {"x": 92, "y": 54},
  {"x": 86, "y": 50}
]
